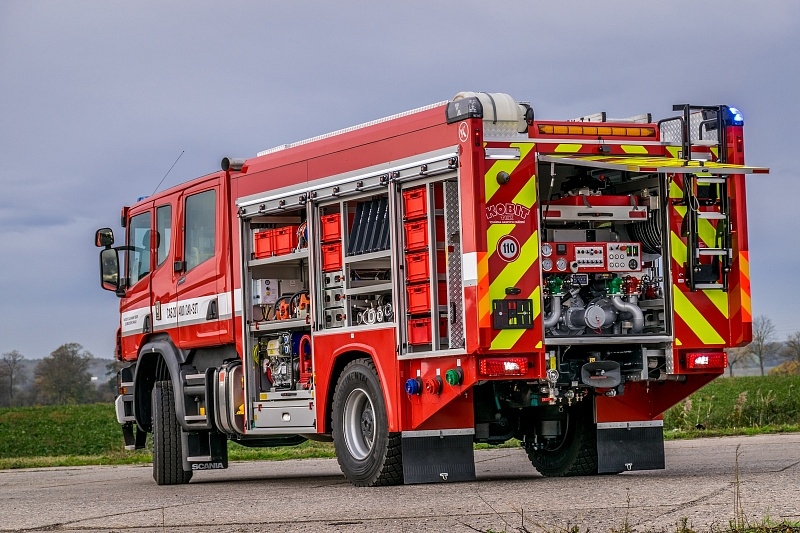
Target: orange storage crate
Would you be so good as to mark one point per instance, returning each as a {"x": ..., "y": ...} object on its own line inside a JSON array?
[
  {"x": 419, "y": 298},
  {"x": 285, "y": 239},
  {"x": 331, "y": 227},
  {"x": 415, "y": 203},
  {"x": 419, "y": 331},
  {"x": 263, "y": 244},
  {"x": 417, "y": 265},
  {"x": 332, "y": 257},
  {"x": 416, "y": 234}
]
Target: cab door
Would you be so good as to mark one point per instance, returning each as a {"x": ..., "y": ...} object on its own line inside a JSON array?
[
  {"x": 198, "y": 270},
  {"x": 135, "y": 306},
  {"x": 164, "y": 279}
]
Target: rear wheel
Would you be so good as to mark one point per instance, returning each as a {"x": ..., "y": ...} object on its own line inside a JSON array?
[
  {"x": 575, "y": 454},
  {"x": 167, "y": 454},
  {"x": 367, "y": 453}
]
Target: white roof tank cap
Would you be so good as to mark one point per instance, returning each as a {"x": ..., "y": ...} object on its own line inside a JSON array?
[{"x": 499, "y": 107}]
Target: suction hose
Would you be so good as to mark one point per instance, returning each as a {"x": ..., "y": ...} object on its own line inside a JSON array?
[
  {"x": 555, "y": 312},
  {"x": 631, "y": 308}
]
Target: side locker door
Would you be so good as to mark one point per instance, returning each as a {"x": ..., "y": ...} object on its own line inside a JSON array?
[
  {"x": 198, "y": 267},
  {"x": 164, "y": 278},
  {"x": 135, "y": 308}
]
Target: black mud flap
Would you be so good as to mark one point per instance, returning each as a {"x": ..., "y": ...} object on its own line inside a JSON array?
[
  {"x": 437, "y": 456},
  {"x": 204, "y": 450},
  {"x": 625, "y": 446}
]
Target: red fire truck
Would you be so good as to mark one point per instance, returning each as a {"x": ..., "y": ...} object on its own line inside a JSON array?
[{"x": 462, "y": 272}]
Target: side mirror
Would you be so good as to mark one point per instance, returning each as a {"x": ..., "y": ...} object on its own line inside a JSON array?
[
  {"x": 104, "y": 237},
  {"x": 109, "y": 269}
]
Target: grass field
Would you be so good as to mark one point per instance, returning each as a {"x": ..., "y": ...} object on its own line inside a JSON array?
[{"x": 89, "y": 434}]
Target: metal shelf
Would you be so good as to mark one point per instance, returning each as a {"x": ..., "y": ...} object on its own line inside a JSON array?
[
  {"x": 277, "y": 259},
  {"x": 273, "y": 325},
  {"x": 367, "y": 289},
  {"x": 381, "y": 254}
]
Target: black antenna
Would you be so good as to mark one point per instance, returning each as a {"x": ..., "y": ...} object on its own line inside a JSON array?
[{"x": 168, "y": 171}]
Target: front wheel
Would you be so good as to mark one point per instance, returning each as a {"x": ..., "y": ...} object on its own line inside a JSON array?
[
  {"x": 575, "y": 454},
  {"x": 167, "y": 450},
  {"x": 367, "y": 453}
]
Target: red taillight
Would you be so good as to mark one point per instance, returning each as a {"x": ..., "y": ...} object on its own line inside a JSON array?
[
  {"x": 504, "y": 366},
  {"x": 699, "y": 361}
]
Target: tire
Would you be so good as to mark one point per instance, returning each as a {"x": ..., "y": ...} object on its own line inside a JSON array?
[
  {"x": 367, "y": 453},
  {"x": 167, "y": 451},
  {"x": 576, "y": 455}
]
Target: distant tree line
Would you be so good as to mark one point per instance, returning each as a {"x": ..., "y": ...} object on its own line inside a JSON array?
[
  {"x": 766, "y": 348},
  {"x": 61, "y": 378}
]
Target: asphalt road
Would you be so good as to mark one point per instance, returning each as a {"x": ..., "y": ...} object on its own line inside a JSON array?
[{"x": 312, "y": 495}]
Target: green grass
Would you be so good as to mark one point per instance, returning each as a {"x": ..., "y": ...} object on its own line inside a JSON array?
[
  {"x": 76, "y": 435},
  {"x": 738, "y": 406}
]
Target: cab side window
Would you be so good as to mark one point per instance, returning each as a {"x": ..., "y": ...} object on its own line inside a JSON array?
[
  {"x": 200, "y": 234},
  {"x": 139, "y": 238},
  {"x": 164, "y": 229}
]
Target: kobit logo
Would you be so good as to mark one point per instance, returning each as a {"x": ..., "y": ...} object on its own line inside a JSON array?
[{"x": 507, "y": 213}]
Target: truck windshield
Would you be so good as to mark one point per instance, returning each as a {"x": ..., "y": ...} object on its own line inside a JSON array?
[{"x": 139, "y": 240}]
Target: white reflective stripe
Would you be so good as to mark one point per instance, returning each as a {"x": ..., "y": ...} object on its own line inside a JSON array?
[
  {"x": 237, "y": 301},
  {"x": 629, "y": 425},
  {"x": 133, "y": 321},
  {"x": 438, "y": 432},
  {"x": 168, "y": 316},
  {"x": 185, "y": 313},
  {"x": 469, "y": 268},
  {"x": 224, "y": 305}
]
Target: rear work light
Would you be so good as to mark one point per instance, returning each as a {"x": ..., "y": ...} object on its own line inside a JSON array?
[
  {"x": 703, "y": 360},
  {"x": 504, "y": 366}
]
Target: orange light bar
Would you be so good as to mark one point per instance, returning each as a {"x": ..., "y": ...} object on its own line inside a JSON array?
[{"x": 613, "y": 131}]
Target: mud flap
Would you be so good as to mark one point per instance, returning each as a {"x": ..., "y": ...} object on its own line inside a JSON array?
[
  {"x": 204, "y": 450},
  {"x": 625, "y": 446},
  {"x": 438, "y": 456}
]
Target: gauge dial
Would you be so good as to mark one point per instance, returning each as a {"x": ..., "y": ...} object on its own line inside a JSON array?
[
  {"x": 547, "y": 264},
  {"x": 561, "y": 264},
  {"x": 546, "y": 249}
]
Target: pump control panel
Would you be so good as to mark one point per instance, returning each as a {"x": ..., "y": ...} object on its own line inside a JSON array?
[{"x": 592, "y": 257}]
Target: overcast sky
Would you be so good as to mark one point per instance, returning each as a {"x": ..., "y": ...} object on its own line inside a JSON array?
[{"x": 98, "y": 99}]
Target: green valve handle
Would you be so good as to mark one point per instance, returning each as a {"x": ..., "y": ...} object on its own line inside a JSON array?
[
  {"x": 614, "y": 286},
  {"x": 555, "y": 285}
]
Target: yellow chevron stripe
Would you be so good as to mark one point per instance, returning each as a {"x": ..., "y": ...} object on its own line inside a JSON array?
[
  {"x": 633, "y": 149},
  {"x": 678, "y": 342},
  {"x": 719, "y": 299},
  {"x": 675, "y": 190},
  {"x": 504, "y": 165},
  {"x": 705, "y": 230},
  {"x": 511, "y": 273},
  {"x": 507, "y": 338},
  {"x": 527, "y": 194},
  {"x": 744, "y": 269},
  {"x": 493, "y": 235},
  {"x": 744, "y": 264},
  {"x": 674, "y": 150},
  {"x": 678, "y": 248},
  {"x": 568, "y": 147},
  {"x": 694, "y": 319}
]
